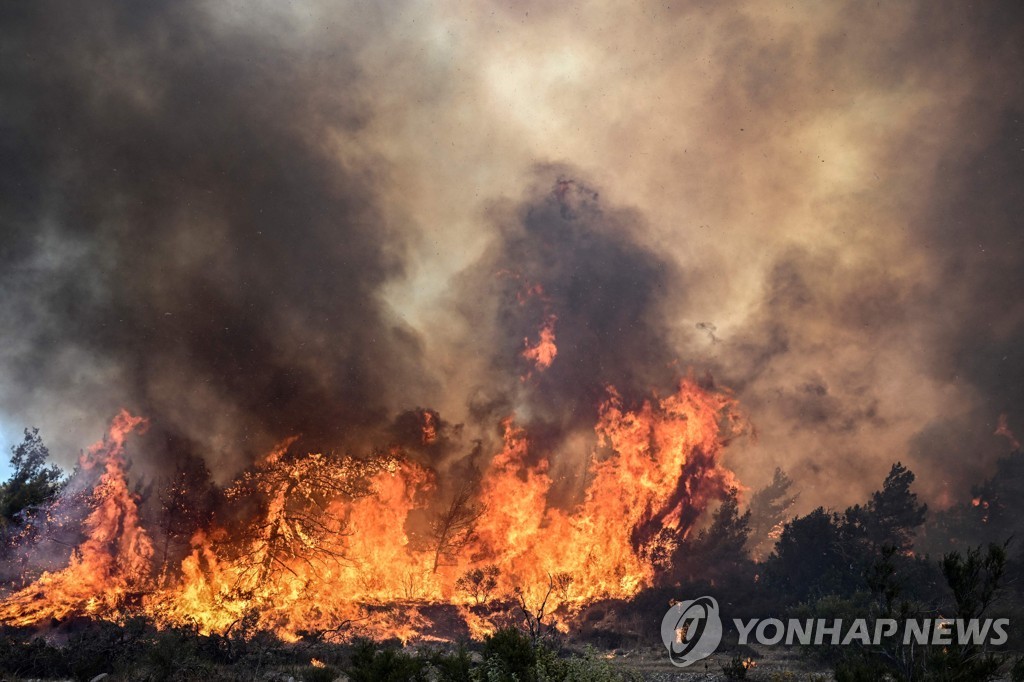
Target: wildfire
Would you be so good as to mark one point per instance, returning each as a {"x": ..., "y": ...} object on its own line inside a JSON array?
[
  {"x": 111, "y": 563},
  {"x": 331, "y": 550}
]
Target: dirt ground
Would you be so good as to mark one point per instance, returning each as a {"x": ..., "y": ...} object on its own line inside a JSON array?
[{"x": 775, "y": 664}]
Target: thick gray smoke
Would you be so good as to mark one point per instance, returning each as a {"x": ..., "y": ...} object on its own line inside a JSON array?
[
  {"x": 251, "y": 221},
  {"x": 184, "y": 233},
  {"x": 565, "y": 260}
]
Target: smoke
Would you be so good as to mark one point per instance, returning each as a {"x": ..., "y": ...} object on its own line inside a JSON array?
[
  {"x": 188, "y": 233},
  {"x": 250, "y": 222},
  {"x": 888, "y": 330},
  {"x": 564, "y": 257}
]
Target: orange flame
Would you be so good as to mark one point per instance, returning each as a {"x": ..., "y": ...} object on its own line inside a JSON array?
[
  {"x": 114, "y": 559},
  {"x": 331, "y": 550},
  {"x": 544, "y": 351},
  {"x": 1003, "y": 430}
]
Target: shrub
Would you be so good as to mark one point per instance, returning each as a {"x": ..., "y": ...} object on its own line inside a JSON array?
[
  {"x": 313, "y": 673},
  {"x": 737, "y": 667},
  {"x": 372, "y": 663},
  {"x": 590, "y": 667},
  {"x": 511, "y": 652}
]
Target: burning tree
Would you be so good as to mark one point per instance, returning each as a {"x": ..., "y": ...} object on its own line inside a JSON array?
[
  {"x": 301, "y": 517},
  {"x": 453, "y": 528},
  {"x": 479, "y": 583},
  {"x": 305, "y": 542},
  {"x": 186, "y": 501}
]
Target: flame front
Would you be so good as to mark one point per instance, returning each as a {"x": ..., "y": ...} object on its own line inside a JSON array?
[
  {"x": 330, "y": 549},
  {"x": 112, "y": 563}
]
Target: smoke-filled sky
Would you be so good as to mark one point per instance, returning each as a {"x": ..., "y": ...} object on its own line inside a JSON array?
[{"x": 252, "y": 220}]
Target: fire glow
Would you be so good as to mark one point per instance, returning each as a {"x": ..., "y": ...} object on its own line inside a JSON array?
[{"x": 328, "y": 549}]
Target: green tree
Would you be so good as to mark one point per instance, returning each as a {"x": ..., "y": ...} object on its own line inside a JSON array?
[
  {"x": 27, "y": 504},
  {"x": 975, "y": 578},
  {"x": 815, "y": 556},
  {"x": 893, "y": 515},
  {"x": 32, "y": 484},
  {"x": 829, "y": 553}
]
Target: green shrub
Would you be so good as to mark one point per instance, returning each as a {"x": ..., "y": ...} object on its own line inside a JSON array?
[
  {"x": 590, "y": 667},
  {"x": 737, "y": 667},
  {"x": 451, "y": 667},
  {"x": 510, "y": 653},
  {"x": 312, "y": 673},
  {"x": 371, "y": 662}
]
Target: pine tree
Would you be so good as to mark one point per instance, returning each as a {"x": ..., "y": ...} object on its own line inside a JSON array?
[
  {"x": 768, "y": 509},
  {"x": 717, "y": 550},
  {"x": 892, "y": 516},
  {"x": 32, "y": 484}
]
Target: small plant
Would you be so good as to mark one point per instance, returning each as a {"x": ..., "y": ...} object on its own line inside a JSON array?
[
  {"x": 782, "y": 676},
  {"x": 317, "y": 673},
  {"x": 479, "y": 583},
  {"x": 738, "y": 667},
  {"x": 563, "y": 585},
  {"x": 512, "y": 652},
  {"x": 372, "y": 662},
  {"x": 590, "y": 667}
]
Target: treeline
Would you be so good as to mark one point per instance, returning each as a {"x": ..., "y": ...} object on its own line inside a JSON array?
[{"x": 885, "y": 558}]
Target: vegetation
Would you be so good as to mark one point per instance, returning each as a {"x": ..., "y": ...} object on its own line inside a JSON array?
[
  {"x": 32, "y": 484},
  {"x": 25, "y": 498}
]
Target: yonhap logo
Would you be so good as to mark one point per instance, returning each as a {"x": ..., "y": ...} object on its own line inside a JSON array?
[{"x": 691, "y": 630}]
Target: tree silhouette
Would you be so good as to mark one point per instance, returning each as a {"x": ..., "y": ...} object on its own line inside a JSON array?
[
  {"x": 893, "y": 514},
  {"x": 768, "y": 509},
  {"x": 717, "y": 550},
  {"x": 453, "y": 528},
  {"x": 187, "y": 500}
]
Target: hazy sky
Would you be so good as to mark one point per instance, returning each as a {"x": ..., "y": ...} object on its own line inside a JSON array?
[{"x": 253, "y": 219}]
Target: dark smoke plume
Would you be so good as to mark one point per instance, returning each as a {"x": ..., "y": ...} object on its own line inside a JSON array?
[
  {"x": 563, "y": 255},
  {"x": 252, "y": 221},
  {"x": 184, "y": 235}
]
